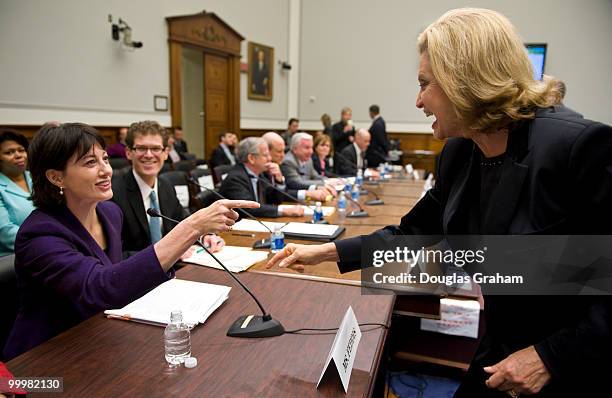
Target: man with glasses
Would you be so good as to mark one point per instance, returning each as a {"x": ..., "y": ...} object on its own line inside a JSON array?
[
  {"x": 140, "y": 189},
  {"x": 244, "y": 180}
]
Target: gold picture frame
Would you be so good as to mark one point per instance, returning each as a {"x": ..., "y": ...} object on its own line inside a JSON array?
[{"x": 261, "y": 72}]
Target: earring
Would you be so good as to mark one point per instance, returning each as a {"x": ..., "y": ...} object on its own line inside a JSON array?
[{"x": 61, "y": 190}]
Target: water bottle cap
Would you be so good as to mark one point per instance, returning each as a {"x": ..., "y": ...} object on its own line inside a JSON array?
[{"x": 191, "y": 362}]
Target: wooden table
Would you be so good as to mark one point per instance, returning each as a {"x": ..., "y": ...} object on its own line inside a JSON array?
[{"x": 102, "y": 357}]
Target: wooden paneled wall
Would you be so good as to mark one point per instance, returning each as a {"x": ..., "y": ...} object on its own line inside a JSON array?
[{"x": 109, "y": 133}]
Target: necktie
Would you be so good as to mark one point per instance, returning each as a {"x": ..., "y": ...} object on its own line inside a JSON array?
[{"x": 154, "y": 222}]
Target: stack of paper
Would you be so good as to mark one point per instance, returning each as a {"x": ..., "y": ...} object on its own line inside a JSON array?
[
  {"x": 235, "y": 258},
  {"x": 458, "y": 318},
  {"x": 309, "y": 210},
  {"x": 195, "y": 299}
]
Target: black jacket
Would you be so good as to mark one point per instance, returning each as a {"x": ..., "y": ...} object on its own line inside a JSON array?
[
  {"x": 379, "y": 145},
  {"x": 556, "y": 179},
  {"x": 135, "y": 232},
  {"x": 218, "y": 157},
  {"x": 347, "y": 161},
  {"x": 237, "y": 185},
  {"x": 316, "y": 163},
  {"x": 339, "y": 137}
]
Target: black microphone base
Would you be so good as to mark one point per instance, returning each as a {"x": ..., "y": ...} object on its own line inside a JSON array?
[
  {"x": 372, "y": 183},
  {"x": 374, "y": 202},
  {"x": 363, "y": 192},
  {"x": 255, "y": 326},
  {"x": 262, "y": 244},
  {"x": 360, "y": 213},
  {"x": 320, "y": 222}
]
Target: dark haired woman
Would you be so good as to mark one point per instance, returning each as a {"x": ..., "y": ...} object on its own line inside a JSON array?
[{"x": 68, "y": 254}]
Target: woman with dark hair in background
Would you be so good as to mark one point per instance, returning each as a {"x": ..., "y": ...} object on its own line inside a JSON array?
[
  {"x": 15, "y": 187},
  {"x": 68, "y": 252},
  {"x": 322, "y": 155}
]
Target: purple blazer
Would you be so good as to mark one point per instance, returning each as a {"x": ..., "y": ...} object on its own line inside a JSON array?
[{"x": 64, "y": 277}]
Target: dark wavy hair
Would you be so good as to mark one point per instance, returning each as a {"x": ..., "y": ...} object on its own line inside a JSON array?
[{"x": 52, "y": 147}]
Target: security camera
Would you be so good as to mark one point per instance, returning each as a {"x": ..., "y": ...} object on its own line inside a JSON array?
[{"x": 123, "y": 28}]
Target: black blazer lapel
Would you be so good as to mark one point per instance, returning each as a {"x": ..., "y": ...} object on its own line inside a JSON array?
[
  {"x": 135, "y": 200},
  {"x": 505, "y": 197}
]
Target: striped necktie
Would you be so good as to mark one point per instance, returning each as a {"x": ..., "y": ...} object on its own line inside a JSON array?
[{"x": 154, "y": 222}]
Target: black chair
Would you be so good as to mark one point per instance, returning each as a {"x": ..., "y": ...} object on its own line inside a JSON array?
[
  {"x": 165, "y": 168},
  {"x": 118, "y": 163},
  {"x": 120, "y": 172},
  {"x": 179, "y": 180},
  {"x": 204, "y": 199},
  {"x": 10, "y": 302},
  {"x": 220, "y": 171},
  {"x": 184, "y": 165}
]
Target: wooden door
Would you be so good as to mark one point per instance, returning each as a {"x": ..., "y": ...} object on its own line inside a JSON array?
[{"x": 216, "y": 99}]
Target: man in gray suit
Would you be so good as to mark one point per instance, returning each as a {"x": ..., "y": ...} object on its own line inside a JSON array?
[{"x": 297, "y": 166}]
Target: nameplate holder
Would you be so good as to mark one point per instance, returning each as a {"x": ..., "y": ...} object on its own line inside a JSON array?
[{"x": 343, "y": 349}]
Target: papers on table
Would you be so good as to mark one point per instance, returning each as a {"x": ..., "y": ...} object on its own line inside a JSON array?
[
  {"x": 289, "y": 228},
  {"x": 458, "y": 318},
  {"x": 235, "y": 258},
  {"x": 309, "y": 210},
  {"x": 196, "y": 300}
]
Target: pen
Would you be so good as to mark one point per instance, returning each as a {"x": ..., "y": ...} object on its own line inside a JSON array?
[{"x": 249, "y": 235}]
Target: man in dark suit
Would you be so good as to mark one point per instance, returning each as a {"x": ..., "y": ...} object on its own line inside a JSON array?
[
  {"x": 343, "y": 132},
  {"x": 353, "y": 157},
  {"x": 292, "y": 128},
  {"x": 260, "y": 74},
  {"x": 244, "y": 180},
  {"x": 380, "y": 146},
  {"x": 180, "y": 145},
  {"x": 224, "y": 154},
  {"x": 140, "y": 189}
]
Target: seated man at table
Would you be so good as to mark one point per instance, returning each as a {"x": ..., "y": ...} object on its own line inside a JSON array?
[
  {"x": 245, "y": 180},
  {"x": 352, "y": 157},
  {"x": 140, "y": 189},
  {"x": 276, "y": 145},
  {"x": 224, "y": 153},
  {"x": 297, "y": 166}
]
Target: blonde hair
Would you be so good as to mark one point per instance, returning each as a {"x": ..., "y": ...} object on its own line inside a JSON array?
[{"x": 479, "y": 61}]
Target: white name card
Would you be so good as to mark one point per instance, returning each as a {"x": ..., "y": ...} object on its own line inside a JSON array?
[
  {"x": 344, "y": 349},
  {"x": 182, "y": 194},
  {"x": 206, "y": 181}
]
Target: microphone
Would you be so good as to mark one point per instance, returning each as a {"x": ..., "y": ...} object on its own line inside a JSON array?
[
  {"x": 366, "y": 182},
  {"x": 372, "y": 202},
  {"x": 290, "y": 197},
  {"x": 259, "y": 244},
  {"x": 356, "y": 213},
  {"x": 246, "y": 325}
]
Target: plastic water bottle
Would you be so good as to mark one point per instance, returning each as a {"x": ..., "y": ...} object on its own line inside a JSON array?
[
  {"x": 317, "y": 215},
  {"x": 355, "y": 192},
  {"x": 347, "y": 187},
  {"x": 342, "y": 206},
  {"x": 277, "y": 240},
  {"x": 177, "y": 340},
  {"x": 359, "y": 179}
]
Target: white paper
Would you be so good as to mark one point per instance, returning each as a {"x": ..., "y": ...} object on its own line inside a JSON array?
[
  {"x": 310, "y": 229},
  {"x": 247, "y": 224},
  {"x": 344, "y": 348},
  {"x": 196, "y": 300},
  {"x": 458, "y": 318},
  {"x": 182, "y": 194},
  {"x": 235, "y": 258},
  {"x": 206, "y": 181},
  {"x": 308, "y": 211}
]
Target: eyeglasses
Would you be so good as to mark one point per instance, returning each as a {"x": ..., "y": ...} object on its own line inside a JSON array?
[{"x": 141, "y": 150}]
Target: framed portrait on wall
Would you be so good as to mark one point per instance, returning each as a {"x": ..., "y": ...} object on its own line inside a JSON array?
[{"x": 261, "y": 72}]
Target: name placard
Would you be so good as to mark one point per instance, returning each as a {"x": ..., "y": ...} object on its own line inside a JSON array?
[{"x": 344, "y": 349}]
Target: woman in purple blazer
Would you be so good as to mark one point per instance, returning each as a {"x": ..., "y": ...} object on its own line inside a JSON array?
[{"x": 68, "y": 254}]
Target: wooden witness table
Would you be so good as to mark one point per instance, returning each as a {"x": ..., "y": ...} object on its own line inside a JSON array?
[{"x": 112, "y": 358}]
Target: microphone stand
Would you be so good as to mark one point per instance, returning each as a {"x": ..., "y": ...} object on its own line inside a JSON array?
[
  {"x": 247, "y": 325},
  {"x": 259, "y": 244}
]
